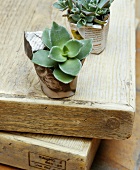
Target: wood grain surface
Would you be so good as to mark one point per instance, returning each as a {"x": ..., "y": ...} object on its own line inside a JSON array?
[
  {"x": 123, "y": 155},
  {"x": 113, "y": 154},
  {"x": 35, "y": 151},
  {"x": 138, "y": 9},
  {"x": 104, "y": 104}
]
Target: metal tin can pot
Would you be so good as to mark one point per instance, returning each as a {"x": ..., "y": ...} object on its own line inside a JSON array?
[{"x": 97, "y": 32}]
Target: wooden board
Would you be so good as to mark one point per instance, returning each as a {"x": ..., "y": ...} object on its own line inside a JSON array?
[
  {"x": 138, "y": 8},
  {"x": 104, "y": 104},
  {"x": 32, "y": 152},
  {"x": 123, "y": 155}
]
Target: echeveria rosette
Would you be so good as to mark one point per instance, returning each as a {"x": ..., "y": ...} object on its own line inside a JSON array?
[
  {"x": 85, "y": 12},
  {"x": 63, "y": 54}
]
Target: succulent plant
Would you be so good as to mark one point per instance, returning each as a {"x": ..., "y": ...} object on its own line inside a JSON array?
[
  {"x": 85, "y": 12},
  {"x": 62, "y": 54}
]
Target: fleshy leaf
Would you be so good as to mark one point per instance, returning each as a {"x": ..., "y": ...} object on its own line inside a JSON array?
[
  {"x": 103, "y": 3},
  {"x": 89, "y": 18},
  {"x": 41, "y": 58},
  {"x": 84, "y": 3},
  {"x": 56, "y": 54},
  {"x": 99, "y": 21},
  {"x": 81, "y": 22},
  {"x": 71, "y": 66},
  {"x": 97, "y": 1},
  {"x": 74, "y": 47},
  {"x": 62, "y": 77},
  {"x": 59, "y": 35},
  {"x": 70, "y": 4},
  {"x": 65, "y": 51},
  {"x": 75, "y": 17},
  {"x": 75, "y": 10},
  {"x": 59, "y": 6},
  {"x": 86, "y": 49},
  {"x": 46, "y": 38}
]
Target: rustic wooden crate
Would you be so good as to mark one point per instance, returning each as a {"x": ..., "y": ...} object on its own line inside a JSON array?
[
  {"x": 104, "y": 104},
  {"x": 35, "y": 151}
]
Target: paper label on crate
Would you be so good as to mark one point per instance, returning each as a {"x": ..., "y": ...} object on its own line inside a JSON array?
[{"x": 45, "y": 162}]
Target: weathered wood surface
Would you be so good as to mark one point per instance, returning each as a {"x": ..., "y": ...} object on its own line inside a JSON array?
[
  {"x": 123, "y": 155},
  {"x": 138, "y": 8},
  {"x": 104, "y": 104},
  {"x": 30, "y": 151}
]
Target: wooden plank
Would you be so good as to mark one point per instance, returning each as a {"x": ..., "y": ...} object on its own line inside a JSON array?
[
  {"x": 103, "y": 106},
  {"x": 113, "y": 154},
  {"x": 124, "y": 155},
  {"x": 138, "y": 61},
  {"x": 103, "y": 161},
  {"x": 35, "y": 151},
  {"x": 138, "y": 8}
]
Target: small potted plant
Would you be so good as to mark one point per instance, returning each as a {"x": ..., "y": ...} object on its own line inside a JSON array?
[
  {"x": 57, "y": 59},
  {"x": 88, "y": 19}
]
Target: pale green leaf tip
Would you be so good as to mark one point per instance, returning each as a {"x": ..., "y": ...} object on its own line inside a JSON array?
[{"x": 54, "y": 24}]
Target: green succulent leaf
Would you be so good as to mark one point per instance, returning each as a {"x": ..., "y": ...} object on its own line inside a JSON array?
[
  {"x": 86, "y": 49},
  {"x": 70, "y": 4},
  {"x": 88, "y": 1},
  {"x": 59, "y": 6},
  {"x": 81, "y": 22},
  {"x": 65, "y": 51},
  {"x": 89, "y": 18},
  {"x": 92, "y": 5},
  {"x": 56, "y": 54},
  {"x": 92, "y": 9},
  {"x": 82, "y": 15},
  {"x": 75, "y": 10},
  {"x": 62, "y": 77},
  {"x": 102, "y": 11},
  {"x": 71, "y": 66},
  {"x": 46, "y": 38},
  {"x": 41, "y": 58},
  {"x": 111, "y": 1},
  {"x": 103, "y": 3},
  {"x": 99, "y": 21},
  {"x": 75, "y": 17},
  {"x": 74, "y": 47},
  {"x": 97, "y": 1},
  {"x": 71, "y": 20},
  {"x": 83, "y": 12},
  {"x": 59, "y": 35},
  {"x": 84, "y": 3}
]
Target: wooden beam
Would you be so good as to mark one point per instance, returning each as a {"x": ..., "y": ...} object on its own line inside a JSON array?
[
  {"x": 125, "y": 154},
  {"x": 30, "y": 151},
  {"x": 104, "y": 104},
  {"x": 138, "y": 9}
]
